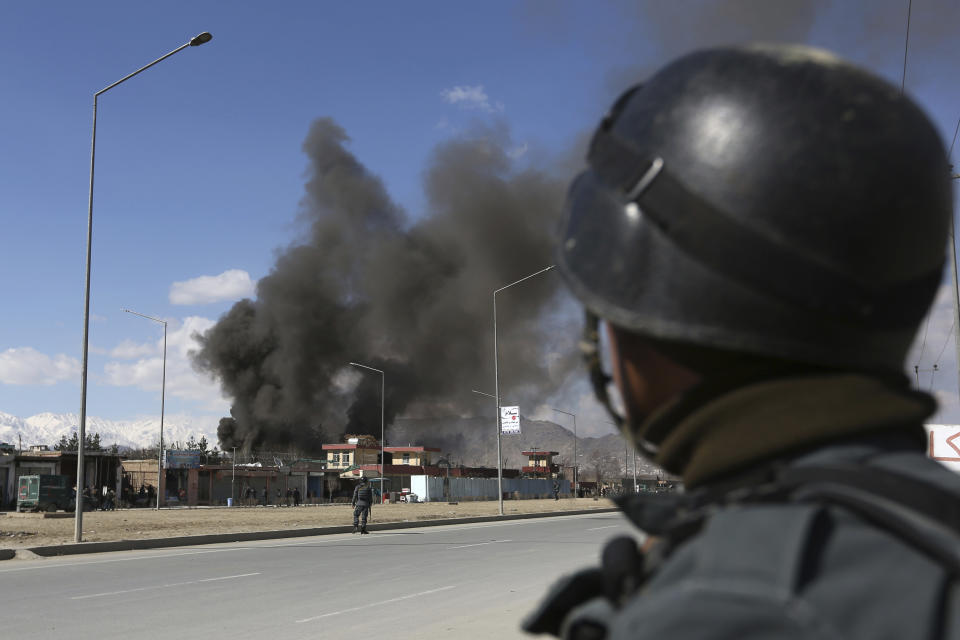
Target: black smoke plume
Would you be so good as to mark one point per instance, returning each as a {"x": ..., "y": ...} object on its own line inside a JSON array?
[{"x": 412, "y": 297}]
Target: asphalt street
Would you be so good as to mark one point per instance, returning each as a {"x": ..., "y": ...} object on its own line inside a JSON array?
[{"x": 465, "y": 581}]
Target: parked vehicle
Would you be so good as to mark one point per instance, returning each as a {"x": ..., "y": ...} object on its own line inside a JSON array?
[{"x": 47, "y": 493}]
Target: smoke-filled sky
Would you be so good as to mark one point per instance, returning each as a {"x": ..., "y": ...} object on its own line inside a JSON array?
[
  {"x": 409, "y": 297},
  {"x": 363, "y": 176}
]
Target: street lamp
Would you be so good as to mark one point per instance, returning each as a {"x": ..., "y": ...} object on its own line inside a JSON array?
[
  {"x": 576, "y": 475},
  {"x": 163, "y": 393},
  {"x": 496, "y": 381},
  {"x": 78, "y": 521},
  {"x": 626, "y": 457},
  {"x": 383, "y": 387}
]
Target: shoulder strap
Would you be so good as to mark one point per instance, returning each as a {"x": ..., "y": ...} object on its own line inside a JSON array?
[
  {"x": 919, "y": 513},
  {"x": 922, "y": 497}
]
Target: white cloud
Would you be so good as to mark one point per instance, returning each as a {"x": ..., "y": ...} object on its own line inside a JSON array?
[
  {"x": 129, "y": 349},
  {"x": 182, "y": 380},
  {"x": 25, "y": 365},
  {"x": 229, "y": 285},
  {"x": 519, "y": 152},
  {"x": 473, "y": 98}
]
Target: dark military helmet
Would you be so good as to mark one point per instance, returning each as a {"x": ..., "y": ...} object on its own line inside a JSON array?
[
  {"x": 773, "y": 200},
  {"x": 363, "y": 480}
]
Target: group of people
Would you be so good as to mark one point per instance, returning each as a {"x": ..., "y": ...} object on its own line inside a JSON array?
[
  {"x": 104, "y": 500},
  {"x": 142, "y": 497},
  {"x": 291, "y": 497}
]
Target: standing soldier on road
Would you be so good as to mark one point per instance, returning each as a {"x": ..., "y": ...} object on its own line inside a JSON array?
[
  {"x": 362, "y": 500},
  {"x": 762, "y": 230}
]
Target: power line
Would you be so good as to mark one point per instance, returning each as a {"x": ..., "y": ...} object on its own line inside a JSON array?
[
  {"x": 923, "y": 345},
  {"x": 946, "y": 342},
  {"x": 906, "y": 47},
  {"x": 950, "y": 153}
]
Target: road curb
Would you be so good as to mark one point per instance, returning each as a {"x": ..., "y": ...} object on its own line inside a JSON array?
[{"x": 186, "y": 541}]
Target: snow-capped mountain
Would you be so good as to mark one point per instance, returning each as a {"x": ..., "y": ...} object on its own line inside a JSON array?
[{"x": 46, "y": 428}]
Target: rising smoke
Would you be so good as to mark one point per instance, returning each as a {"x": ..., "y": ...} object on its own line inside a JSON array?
[{"x": 410, "y": 297}]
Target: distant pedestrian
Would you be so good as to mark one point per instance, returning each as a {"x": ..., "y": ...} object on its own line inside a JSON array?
[
  {"x": 362, "y": 501},
  {"x": 279, "y": 498},
  {"x": 296, "y": 497},
  {"x": 556, "y": 490}
]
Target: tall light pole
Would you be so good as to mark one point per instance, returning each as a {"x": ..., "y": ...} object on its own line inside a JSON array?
[
  {"x": 499, "y": 482},
  {"x": 163, "y": 394},
  {"x": 626, "y": 456},
  {"x": 496, "y": 381},
  {"x": 383, "y": 388},
  {"x": 78, "y": 529},
  {"x": 576, "y": 474}
]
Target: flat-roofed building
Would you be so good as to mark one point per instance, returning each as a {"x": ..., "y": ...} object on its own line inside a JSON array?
[
  {"x": 355, "y": 451},
  {"x": 410, "y": 455},
  {"x": 540, "y": 463}
]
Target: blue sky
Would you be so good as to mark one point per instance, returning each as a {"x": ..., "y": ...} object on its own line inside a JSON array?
[{"x": 199, "y": 166}]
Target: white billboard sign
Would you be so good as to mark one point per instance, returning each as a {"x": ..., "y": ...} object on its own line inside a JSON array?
[
  {"x": 943, "y": 444},
  {"x": 510, "y": 420}
]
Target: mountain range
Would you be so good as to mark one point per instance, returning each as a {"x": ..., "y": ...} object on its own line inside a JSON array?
[
  {"x": 464, "y": 441},
  {"x": 47, "y": 428}
]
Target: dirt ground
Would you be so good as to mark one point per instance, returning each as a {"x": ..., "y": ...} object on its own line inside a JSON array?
[{"x": 23, "y": 530}]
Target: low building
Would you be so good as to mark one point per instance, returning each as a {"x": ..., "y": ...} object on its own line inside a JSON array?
[
  {"x": 353, "y": 452},
  {"x": 410, "y": 455},
  {"x": 540, "y": 464},
  {"x": 101, "y": 469},
  {"x": 8, "y": 477},
  {"x": 657, "y": 482},
  {"x": 216, "y": 484}
]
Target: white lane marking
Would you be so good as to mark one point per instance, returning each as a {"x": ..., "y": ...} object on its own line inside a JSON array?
[
  {"x": 609, "y": 526},
  {"x": 377, "y": 604},
  {"x": 480, "y": 544},
  {"x": 159, "y": 554},
  {"x": 303, "y": 544},
  {"x": 163, "y": 586}
]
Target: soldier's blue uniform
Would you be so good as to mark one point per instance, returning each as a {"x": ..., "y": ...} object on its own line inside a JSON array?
[
  {"x": 782, "y": 566},
  {"x": 362, "y": 499},
  {"x": 761, "y": 228}
]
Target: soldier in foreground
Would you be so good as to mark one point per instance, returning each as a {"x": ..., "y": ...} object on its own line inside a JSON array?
[
  {"x": 760, "y": 231},
  {"x": 362, "y": 499}
]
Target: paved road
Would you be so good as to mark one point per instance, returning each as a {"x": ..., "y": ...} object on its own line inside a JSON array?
[{"x": 463, "y": 581}]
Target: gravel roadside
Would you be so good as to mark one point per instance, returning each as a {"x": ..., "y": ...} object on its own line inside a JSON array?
[{"x": 19, "y": 531}]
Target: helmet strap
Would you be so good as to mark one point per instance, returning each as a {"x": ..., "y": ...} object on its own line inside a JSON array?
[{"x": 600, "y": 380}]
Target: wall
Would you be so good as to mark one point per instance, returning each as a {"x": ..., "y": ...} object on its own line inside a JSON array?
[
  {"x": 8, "y": 480},
  {"x": 430, "y": 488}
]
